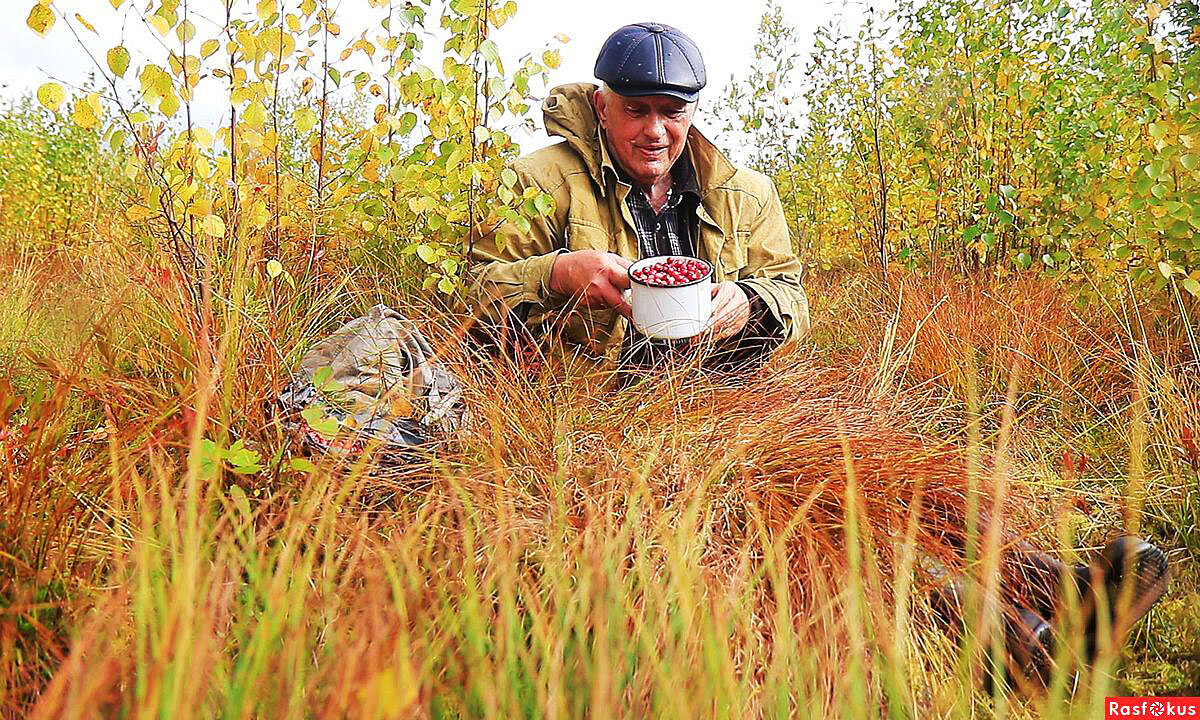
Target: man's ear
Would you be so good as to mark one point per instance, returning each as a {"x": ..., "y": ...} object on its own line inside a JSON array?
[{"x": 599, "y": 102}]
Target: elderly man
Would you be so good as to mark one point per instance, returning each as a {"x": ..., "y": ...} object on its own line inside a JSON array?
[{"x": 633, "y": 178}]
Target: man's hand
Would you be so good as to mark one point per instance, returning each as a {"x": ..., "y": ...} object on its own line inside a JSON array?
[
  {"x": 731, "y": 310},
  {"x": 597, "y": 279}
]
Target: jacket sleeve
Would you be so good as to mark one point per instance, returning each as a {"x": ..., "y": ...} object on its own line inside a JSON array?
[
  {"x": 510, "y": 269},
  {"x": 773, "y": 271}
]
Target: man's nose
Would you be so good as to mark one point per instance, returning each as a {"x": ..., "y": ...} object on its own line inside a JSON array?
[{"x": 655, "y": 128}]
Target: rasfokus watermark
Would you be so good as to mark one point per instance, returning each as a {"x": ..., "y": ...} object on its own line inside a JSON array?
[{"x": 1151, "y": 707}]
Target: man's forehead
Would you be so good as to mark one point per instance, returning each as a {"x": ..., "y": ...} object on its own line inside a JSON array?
[{"x": 669, "y": 101}]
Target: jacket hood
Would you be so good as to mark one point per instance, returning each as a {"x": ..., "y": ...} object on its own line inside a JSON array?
[{"x": 568, "y": 113}]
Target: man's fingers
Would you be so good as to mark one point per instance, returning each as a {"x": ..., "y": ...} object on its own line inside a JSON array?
[
  {"x": 619, "y": 277},
  {"x": 621, "y": 260},
  {"x": 615, "y": 299},
  {"x": 722, "y": 295},
  {"x": 727, "y": 311},
  {"x": 610, "y": 296}
]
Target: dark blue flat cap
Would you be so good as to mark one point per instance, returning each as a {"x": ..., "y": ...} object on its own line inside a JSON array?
[{"x": 651, "y": 59}]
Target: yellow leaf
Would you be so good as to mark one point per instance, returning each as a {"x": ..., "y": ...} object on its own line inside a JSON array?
[
  {"x": 41, "y": 19},
  {"x": 1165, "y": 269},
  {"x": 213, "y": 225},
  {"x": 1153, "y": 10},
  {"x": 552, "y": 59},
  {"x": 209, "y": 47},
  {"x": 83, "y": 21},
  {"x": 169, "y": 105},
  {"x": 51, "y": 95},
  {"x": 137, "y": 213},
  {"x": 116, "y": 3},
  {"x": 185, "y": 31},
  {"x": 265, "y": 9},
  {"x": 118, "y": 60},
  {"x": 562, "y": 38},
  {"x": 305, "y": 119},
  {"x": 86, "y": 114},
  {"x": 255, "y": 115},
  {"x": 160, "y": 25},
  {"x": 274, "y": 268}
]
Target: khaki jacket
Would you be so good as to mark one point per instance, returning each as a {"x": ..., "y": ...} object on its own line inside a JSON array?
[{"x": 742, "y": 231}]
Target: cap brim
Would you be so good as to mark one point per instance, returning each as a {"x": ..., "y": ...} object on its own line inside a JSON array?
[{"x": 684, "y": 95}]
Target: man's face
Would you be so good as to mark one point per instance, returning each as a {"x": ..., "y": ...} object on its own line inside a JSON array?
[{"x": 646, "y": 134}]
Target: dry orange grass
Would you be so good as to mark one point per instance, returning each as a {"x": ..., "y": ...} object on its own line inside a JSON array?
[{"x": 687, "y": 543}]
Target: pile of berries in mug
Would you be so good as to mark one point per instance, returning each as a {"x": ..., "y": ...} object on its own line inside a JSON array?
[{"x": 671, "y": 272}]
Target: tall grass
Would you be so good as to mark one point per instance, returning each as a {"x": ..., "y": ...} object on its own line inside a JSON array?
[{"x": 689, "y": 546}]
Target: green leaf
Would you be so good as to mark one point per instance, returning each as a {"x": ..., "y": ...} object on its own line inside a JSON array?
[
  {"x": 427, "y": 254},
  {"x": 240, "y": 501},
  {"x": 508, "y": 177},
  {"x": 1189, "y": 162},
  {"x": 305, "y": 118},
  {"x": 1191, "y": 286},
  {"x": 544, "y": 204},
  {"x": 322, "y": 375},
  {"x": 274, "y": 268},
  {"x": 408, "y": 121},
  {"x": 490, "y": 52},
  {"x": 209, "y": 456},
  {"x": 323, "y": 424},
  {"x": 1008, "y": 191},
  {"x": 446, "y": 285},
  {"x": 1165, "y": 269},
  {"x": 244, "y": 460},
  {"x": 302, "y": 465},
  {"x": 118, "y": 60}
]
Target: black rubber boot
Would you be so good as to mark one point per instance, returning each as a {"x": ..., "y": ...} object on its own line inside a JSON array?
[
  {"x": 1125, "y": 561},
  {"x": 1028, "y": 637}
]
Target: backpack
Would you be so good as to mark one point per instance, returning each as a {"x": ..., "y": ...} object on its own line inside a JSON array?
[{"x": 374, "y": 379}]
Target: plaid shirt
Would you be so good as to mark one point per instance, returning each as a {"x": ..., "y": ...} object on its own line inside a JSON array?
[{"x": 672, "y": 230}]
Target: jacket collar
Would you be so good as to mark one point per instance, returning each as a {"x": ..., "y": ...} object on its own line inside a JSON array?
[{"x": 569, "y": 114}]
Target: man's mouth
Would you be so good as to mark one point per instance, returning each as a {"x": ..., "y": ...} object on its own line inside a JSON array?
[{"x": 651, "y": 152}]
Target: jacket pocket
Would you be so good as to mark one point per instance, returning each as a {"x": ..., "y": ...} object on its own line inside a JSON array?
[
  {"x": 733, "y": 255},
  {"x": 583, "y": 235}
]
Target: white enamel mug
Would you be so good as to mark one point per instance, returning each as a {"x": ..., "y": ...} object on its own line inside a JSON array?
[{"x": 670, "y": 313}]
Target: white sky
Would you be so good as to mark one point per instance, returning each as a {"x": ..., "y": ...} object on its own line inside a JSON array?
[{"x": 724, "y": 29}]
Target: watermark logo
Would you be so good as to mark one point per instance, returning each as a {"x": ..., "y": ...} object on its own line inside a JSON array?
[{"x": 1151, "y": 707}]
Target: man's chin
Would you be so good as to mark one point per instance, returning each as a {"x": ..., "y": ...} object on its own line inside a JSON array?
[{"x": 648, "y": 174}]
